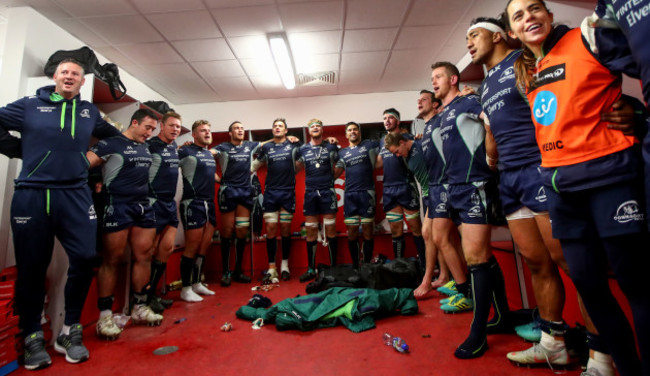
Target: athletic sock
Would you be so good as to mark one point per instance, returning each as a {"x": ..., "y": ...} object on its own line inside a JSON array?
[
  {"x": 285, "y": 265},
  {"x": 421, "y": 248},
  {"x": 105, "y": 303},
  {"x": 550, "y": 342},
  {"x": 463, "y": 288},
  {"x": 499, "y": 298},
  {"x": 367, "y": 250},
  {"x": 398, "y": 246},
  {"x": 199, "y": 263},
  {"x": 157, "y": 269},
  {"x": 333, "y": 248},
  {"x": 225, "y": 255},
  {"x": 65, "y": 330},
  {"x": 481, "y": 292},
  {"x": 271, "y": 249},
  {"x": 353, "y": 246},
  {"x": 286, "y": 247},
  {"x": 240, "y": 244},
  {"x": 187, "y": 266},
  {"x": 141, "y": 297},
  {"x": 311, "y": 254}
]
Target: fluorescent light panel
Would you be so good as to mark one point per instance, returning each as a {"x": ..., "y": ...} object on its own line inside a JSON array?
[{"x": 282, "y": 58}]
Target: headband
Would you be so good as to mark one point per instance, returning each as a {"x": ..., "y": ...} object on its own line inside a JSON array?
[
  {"x": 315, "y": 122},
  {"x": 488, "y": 26},
  {"x": 393, "y": 114}
]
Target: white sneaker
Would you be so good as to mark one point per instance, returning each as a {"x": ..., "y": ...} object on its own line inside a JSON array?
[
  {"x": 142, "y": 314},
  {"x": 107, "y": 328},
  {"x": 272, "y": 276},
  {"x": 190, "y": 296},
  {"x": 201, "y": 289},
  {"x": 538, "y": 355}
]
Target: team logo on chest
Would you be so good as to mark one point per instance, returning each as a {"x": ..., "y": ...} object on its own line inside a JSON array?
[{"x": 545, "y": 108}]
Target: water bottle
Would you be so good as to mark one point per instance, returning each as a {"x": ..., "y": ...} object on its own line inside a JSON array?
[{"x": 397, "y": 343}]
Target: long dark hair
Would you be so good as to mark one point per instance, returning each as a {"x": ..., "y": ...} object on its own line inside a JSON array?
[{"x": 526, "y": 63}]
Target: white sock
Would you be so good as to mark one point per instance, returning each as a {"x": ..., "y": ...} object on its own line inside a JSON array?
[
  {"x": 550, "y": 343},
  {"x": 65, "y": 330},
  {"x": 603, "y": 363},
  {"x": 285, "y": 265},
  {"x": 105, "y": 313}
]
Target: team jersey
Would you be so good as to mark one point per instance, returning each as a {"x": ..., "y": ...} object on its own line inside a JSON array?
[
  {"x": 235, "y": 162},
  {"x": 432, "y": 149},
  {"x": 319, "y": 161},
  {"x": 463, "y": 141},
  {"x": 395, "y": 170},
  {"x": 280, "y": 164},
  {"x": 417, "y": 165},
  {"x": 198, "y": 168},
  {"x": 163, "y": 173},
  {"x": 509, "y": 116},
  {"x": 359, "y": 164},
  {"x": 125, "y": 170}
]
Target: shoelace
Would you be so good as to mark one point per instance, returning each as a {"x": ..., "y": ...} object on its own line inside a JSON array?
[
  {"x": 76, "y": 337},
  {"x": 548, "y": 361}
]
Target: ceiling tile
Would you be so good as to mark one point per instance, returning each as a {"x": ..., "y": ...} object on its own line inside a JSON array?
[
  {"x": 417, "y": 62},
  {"x": 436, "y": 12},
  {"x": 114, "y": 56},
  {"x": 123, "y": 29},
  {"x": 237, "y": 87},
  {"x": 370, "y": 61},
  {"x": 260, "y": 67},
  {"x": 319, "y": 42},
  {"x": 204, "y": 49},
  {"x": 357, "y": 77},
  {"x": 83, "y": 33},
  {"x": 214, "y": 69},
  {"x": 257, "y": 20},
  {"x": 185, "y": 25},
  {"x": 155, "y": 6},
  {"x": 89, "y": 8},
  {"x": 253, "y": 47},
  {"x": 364, "y": 14},
  {"x": 316, "y": 63},
  {"x": 368, "y": 40},
  {"x": 312, "y": 16},
  {"x": 421, "y": 37},
  {"x": 235, "y": 3},
  {"x": 151, "y": 53},
  {"x": 266, "y": 82}
]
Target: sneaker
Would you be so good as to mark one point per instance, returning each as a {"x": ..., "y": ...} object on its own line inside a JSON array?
[
  {"x": 591, "y": 372},
  {"x": 538, "y": 355},
  {"x": 531, "y": 332},
  {"x": 201, "y": 289},
  {"x": 446, "y": 300},
  {"x": 72, "y": 346},
  {"x": 225, "y": 279},
  {"x": 285, "y": 275},
  {"x": 142, "y": 314},
  {"x": 188, "y": 295},
  {"x": 241, "y": 277},
  {"x": 459, "y": 303},
  {"x": 35, "y": 355},
  {"x": 107, "y": 328},
  {"x": 308, "y": 276},
  {"x": 156, "y": 305},
  {"x": 448, "y": 288},
  {"x": 271, "y": 276}
]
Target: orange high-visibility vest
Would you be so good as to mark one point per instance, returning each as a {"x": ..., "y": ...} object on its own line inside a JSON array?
[{"x": 571, "y": 91}]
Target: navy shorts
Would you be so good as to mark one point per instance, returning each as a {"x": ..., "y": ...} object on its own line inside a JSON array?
[
  {"x": 119, "y": 216},
  {"x": 196, "y": 213},
  {"x": 473, "y": 203},
  {"x": 319, "y": 201},
  {"x": 522, "y": 186},
  {"x": 230, "y": 197},
  {"x": 360, "y": 203},
  {"x": 276, "y": 199},
  {"x": 405, "y": 195},
  {"x": 437, "y": 205},
  {"x": 615, "y": 209},
  {"x": 165, "y": 213}
]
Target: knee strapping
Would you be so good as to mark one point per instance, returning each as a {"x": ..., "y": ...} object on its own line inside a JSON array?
[
  {"x": 352, "y": 221},
  {"x": 242, "y": 222},
  {"x": 311, "y": 224},
  {"x": 286, "y": 217},
  {"x": 271, "y": 217},
  {"x": 367, "y": 220},
  {"x": 329, "y": 221},
  {"x": 414, "y": 215},
  {"x": 393, "y": 217}
]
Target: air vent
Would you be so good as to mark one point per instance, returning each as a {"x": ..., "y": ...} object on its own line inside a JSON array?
[{"x": 316, "y": 79}]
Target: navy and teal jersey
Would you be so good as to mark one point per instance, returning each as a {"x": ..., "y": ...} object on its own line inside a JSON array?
[
  {"x": 280, "y": 164},
  {"x": 463, "y": 141},
  {"x": 163, "y": 174},
  {"x": 418, "y": 166},
  {"x": 509, "y": 115},
  {"x": 125, "y": 170},
  {"x": 235, "y": 162},
  {"x": 198, "y": 168},
  {"x": 432, "y": 149},
  {"x": 55, "y": 133},
  {"x": 359, "y": 164},
  {"x": 319, "y": 161},
  {"x": 395, "y": 170}
]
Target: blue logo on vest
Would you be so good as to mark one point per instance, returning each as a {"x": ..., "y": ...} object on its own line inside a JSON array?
[{"x": 545, "y": 108}]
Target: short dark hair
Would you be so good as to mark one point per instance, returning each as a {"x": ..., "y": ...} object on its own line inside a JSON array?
[
  {"x": 199, "y": 123},
  {"x": 282, "y": 120},
  {"x": 142, "y": 113},
  {"x": 449, "y": 68},
  {"x": 392, "y": 110},
  {"x": 233, "y": 123},
  {"x": 352, "y": 123},
  {"x": 73, "y": 61},
  {"x": 170, "y": 114},
  {"x": 433, "y": 96},
  {"x": 393, "y": 139}
]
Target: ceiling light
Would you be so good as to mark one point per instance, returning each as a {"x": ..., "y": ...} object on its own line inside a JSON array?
[{"x": 282, "y": 58}]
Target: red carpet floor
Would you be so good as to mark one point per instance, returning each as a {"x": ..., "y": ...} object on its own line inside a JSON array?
[{"x": 204, "y": 350}]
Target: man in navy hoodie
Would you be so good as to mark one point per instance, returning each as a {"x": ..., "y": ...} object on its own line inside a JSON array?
[{"x": 51, "y": 199}]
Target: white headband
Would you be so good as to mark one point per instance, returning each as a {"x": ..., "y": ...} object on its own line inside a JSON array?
[{"x": 488, "y": 26}]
